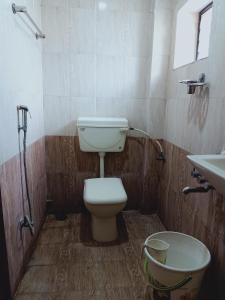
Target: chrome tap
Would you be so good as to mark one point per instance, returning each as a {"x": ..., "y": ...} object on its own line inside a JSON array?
[{"x": 199, "y": 189}]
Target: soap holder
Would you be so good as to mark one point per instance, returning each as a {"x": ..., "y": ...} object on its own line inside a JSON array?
[{"x": 193, "y": 84}]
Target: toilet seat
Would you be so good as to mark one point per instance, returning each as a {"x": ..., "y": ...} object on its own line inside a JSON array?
[{"x": 104, "y": 191}]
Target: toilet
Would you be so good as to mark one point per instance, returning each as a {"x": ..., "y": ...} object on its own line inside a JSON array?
[{"x": 103, "y": 197}]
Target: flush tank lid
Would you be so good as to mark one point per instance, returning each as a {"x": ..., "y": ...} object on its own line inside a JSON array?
[{"x": 102, "y": 122}]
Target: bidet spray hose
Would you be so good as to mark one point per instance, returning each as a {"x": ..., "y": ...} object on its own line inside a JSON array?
[
  {"x": 162, "y": 155},
  {"x": 26, "y": 221}
]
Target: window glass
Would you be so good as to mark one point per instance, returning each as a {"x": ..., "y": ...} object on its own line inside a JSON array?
[{"x": 204, "y": 33}]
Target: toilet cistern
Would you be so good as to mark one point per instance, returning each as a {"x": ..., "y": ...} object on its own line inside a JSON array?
[{"x": 103, "y": 197}]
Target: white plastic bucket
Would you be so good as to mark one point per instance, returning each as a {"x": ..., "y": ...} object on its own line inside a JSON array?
[{"x": 181, "y": 275}]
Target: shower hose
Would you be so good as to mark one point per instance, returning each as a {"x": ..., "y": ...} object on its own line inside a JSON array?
[{"x": 25, "y": 221}]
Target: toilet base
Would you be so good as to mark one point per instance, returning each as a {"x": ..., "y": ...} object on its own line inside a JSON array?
[{"x": 104, "y": 229}]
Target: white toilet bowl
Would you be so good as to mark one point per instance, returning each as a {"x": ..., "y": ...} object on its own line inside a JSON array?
[{"x": 104, "y": 198}]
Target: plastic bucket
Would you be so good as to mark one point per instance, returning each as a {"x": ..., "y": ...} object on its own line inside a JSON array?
[{"x": 181, "y": 275}]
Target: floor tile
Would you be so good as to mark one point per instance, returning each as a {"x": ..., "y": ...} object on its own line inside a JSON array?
[{"x": 62, "y": 268}]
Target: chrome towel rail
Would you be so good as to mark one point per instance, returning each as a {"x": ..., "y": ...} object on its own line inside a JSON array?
[{"x": 22, "y": 9}]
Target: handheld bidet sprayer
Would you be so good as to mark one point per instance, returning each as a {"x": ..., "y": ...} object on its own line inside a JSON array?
[{"x": 26, "y": 221}]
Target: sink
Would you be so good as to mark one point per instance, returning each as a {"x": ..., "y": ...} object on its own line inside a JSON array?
[{"x": 212, "y": 167}]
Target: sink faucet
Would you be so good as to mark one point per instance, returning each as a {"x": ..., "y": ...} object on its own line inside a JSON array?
[
  {"x": 203, "y": 188},
  {"x": 199, "y": 189}
]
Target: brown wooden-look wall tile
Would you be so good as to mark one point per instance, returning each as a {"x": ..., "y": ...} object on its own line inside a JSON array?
[
  {"x": 19, "y": 244},
  {"x": 65, "y": 174},
  {"x": 200, "y": 215}
]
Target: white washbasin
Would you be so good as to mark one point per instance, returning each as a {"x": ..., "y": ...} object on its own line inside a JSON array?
[{"x": 212, "y": 167}]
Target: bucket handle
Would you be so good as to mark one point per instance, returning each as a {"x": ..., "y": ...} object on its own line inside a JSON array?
[
  {"x": 168, "y": 288},
  {"x": 173, "y": 287}
]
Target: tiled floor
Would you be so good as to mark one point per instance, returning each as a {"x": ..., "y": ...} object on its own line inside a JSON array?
[{"x": 62, "y": 268}]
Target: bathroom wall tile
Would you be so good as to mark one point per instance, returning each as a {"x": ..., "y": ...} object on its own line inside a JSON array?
[
  {"x": 64, "y": 124},
  {"x": 82, "y": 71},
  {"x": 19, "y": 244},
  {"x": 199, "y": 215},
  {"x": 82, "y": 31},
  {"x": 55, "y": 3},
  {"x": 112, "y": 107},
  {"x": 110, "y": 30},
  {"x": 139, "y": 5},
  {"x": 138, "y": 34},
  {"x": 156, "y": 117},
  {"x": 159, "y": 70},
  {"x": 101, "y": 55},
  {"x": 56, "y": 74},
  {"x": 55, "y": 25},
  {"x": 136, "y": 75},
  {"x": 132, "y": 109},
  {"x": 86, "y": 4},
  {"x": 68, "y": 167},
  {"x": 200, "y": 115},
  {"x": 60, "y": 154},
  {"x": 137, "y": 113},
  {"x": 21, "y": 79},
  {"x": 81, "y": 107},
  {"x": 126, "y": 5},
  {"x": 109, "y": 76},
  {"x": 11, "y": 201},
  {"x": 108, "y": 5},
  {"x": 57, "y": 112},
  {"x": 161, "y": 4}
]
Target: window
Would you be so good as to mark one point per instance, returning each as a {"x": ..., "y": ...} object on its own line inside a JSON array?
[
  {"x": 204, "y": 28},
  {"x": 193, "y": 32}
]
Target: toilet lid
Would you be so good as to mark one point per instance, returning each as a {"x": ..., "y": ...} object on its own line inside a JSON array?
[{"x": 104, "y": 191}]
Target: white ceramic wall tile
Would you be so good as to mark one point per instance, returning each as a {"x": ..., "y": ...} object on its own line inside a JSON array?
[
  {"x": 56, "y": 74},
  {"x": 159, "y": 73},
  {"x": 87, "y": 4},
  {"x": 61, "y": 114},
  {"x": 139, "y": 5},
  {"x": 137, "y": 113},
  {"x": 109, "y": 76},
  {"x": 82, "y": 73},
  {"x": 110, "y": 31},
  {"x": 164, "y": 4},
  {"x": 83, "y": 30},
  {"x": 107, "y": 57},
  {"x": 162, "y": 32},
  {"x": 132, "y": 109},
  {"x": 144, "y": 6},
  {"x": 156, "y": 117},
  {"x": 55, "y": 3},
  {"x": 112, "y": 107},
  {"x": 195, "y": 123},
  {"x": 56, "y": 27},
  {"x": 57, "y": 112},
  {"x": 135, "y": 83},
  {"x": 109, "y": 5},
  {"x": 20, "y": 77},
  {"x": 138, "y": 34}
]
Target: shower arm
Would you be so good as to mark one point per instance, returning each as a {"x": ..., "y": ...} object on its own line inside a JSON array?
[{"x": 157, "y": 142}]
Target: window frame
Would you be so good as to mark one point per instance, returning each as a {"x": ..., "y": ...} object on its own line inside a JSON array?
[{"x": 200, "y": 14}]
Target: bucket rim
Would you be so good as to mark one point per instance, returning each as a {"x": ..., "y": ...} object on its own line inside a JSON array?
[{"x": 179, "y": 270}]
